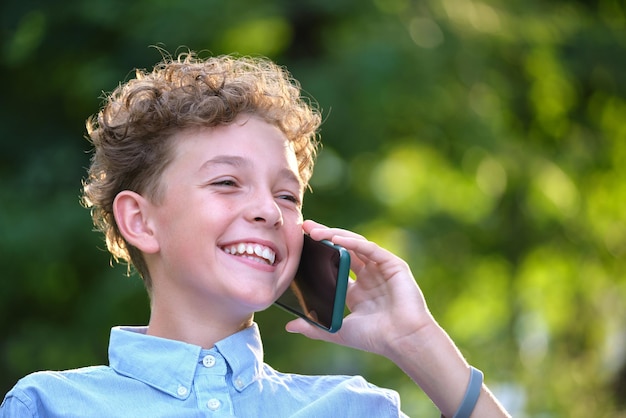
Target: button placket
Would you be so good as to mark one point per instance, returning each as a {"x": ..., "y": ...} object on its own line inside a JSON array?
[{"x": 210, "y": 384}]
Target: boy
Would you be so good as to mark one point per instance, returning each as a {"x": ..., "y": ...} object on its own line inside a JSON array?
[{"x": 197, "y": 181}]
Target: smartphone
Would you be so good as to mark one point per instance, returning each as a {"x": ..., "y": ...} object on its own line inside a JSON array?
[{"x": 318, "y": 291}]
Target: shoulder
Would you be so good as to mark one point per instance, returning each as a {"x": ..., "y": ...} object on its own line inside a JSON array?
[
  {"x": 323, "y": 382},
  {"x": 40, "y": 391},
  {"x": 355, "y": 387},
  {"x": 350, "y": 393},
  {"x": 59, "y": 380}
]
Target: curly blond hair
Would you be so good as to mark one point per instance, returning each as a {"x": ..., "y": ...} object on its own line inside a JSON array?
[{"x": 131, "y": 133}]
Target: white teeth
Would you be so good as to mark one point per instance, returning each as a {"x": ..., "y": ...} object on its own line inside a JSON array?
[
  {"x": 269, "y": 255},
  {"x": 252, "y": 250}
]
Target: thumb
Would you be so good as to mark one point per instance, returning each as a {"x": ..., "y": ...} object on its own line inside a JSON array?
[{"x": 301, "y": 326}]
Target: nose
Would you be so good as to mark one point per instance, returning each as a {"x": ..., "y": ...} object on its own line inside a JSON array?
[{"x": 264, "y": 209}]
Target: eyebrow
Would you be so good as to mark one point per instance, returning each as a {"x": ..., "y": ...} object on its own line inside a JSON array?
[
  {"x": 238, "y": 162},
  {"x": 231, "y": 160}
]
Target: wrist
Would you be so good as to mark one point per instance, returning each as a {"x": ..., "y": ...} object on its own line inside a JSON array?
[
  {"x": 417, "y": 340},
  {"x": 468, "y": 404},
  {"x": 435, "y": 364}
]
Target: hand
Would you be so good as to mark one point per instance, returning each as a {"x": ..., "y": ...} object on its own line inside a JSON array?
[
  {"x": 385, "y": 303},
  {"x": 389, "y": 316}
]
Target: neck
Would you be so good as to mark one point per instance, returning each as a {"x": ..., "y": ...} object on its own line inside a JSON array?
[{"x": 174, "y": 322}]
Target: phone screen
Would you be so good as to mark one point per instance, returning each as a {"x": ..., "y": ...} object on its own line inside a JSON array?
[{"x": 318, "y": 291}]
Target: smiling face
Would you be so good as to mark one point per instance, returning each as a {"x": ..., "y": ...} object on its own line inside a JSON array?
[{"x": 228, "y": 221}]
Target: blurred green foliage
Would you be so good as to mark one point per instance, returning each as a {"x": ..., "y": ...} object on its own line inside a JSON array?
[{"x": 483, "y": 141}]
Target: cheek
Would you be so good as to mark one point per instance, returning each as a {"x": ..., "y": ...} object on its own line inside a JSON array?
[
  {"x": 181, "y": 227},
  {"x": 295, "y": 251}
]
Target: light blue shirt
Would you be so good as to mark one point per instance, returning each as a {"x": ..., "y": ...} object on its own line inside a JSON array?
[{"x": 155, "y": 377}]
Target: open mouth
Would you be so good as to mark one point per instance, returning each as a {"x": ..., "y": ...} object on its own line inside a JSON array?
[{"x": 255, "y": 252}]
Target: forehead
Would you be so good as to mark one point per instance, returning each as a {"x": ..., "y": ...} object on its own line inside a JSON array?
[{"x": 247, "y": 143}]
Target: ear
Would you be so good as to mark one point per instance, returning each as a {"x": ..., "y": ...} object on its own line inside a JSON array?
[{"x": 131, "y": 214}]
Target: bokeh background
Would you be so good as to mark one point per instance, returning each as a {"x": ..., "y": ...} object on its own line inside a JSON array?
[{"x": 482, "y": 141}]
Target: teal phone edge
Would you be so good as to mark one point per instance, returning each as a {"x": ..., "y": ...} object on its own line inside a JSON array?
[{"x": 343, "y": 275}]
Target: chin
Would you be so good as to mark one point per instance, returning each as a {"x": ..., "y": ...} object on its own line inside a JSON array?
[{"x": 257, "y": 302}]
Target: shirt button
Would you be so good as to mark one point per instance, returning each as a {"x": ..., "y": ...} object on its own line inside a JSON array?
[
  {"x": 239, "y": 383},
  {"x": 208, "y": 361},
  {"x": 214, "y": 404},
  {"x": 182, "y": 391}
]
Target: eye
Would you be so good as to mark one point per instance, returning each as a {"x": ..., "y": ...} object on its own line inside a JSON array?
[
  {"x": 290, "y": 198},
  {"x": 224, "y": 183}
]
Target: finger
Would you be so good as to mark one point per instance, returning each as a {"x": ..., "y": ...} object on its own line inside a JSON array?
[
  {"x": 319, "y": 231},
  {"x": 300, "y": 326},
  {"x": 364, "y": 249},
  {"x": 364, "y": 253},
  {"x": 297, "y": 326}
]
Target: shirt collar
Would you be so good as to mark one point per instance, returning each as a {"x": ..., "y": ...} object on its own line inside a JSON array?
[
  {"x": 243, "y": 352},
  {"x": 170, "y": 365}
]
